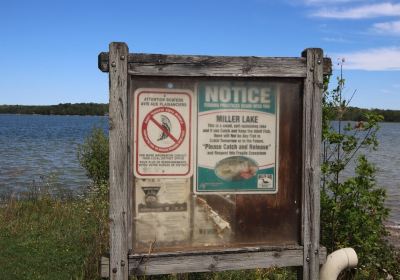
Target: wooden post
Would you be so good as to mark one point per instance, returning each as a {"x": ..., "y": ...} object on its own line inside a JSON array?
[
  {"x": 118, "y": 117},
  {"x": 312, "y": 114}
]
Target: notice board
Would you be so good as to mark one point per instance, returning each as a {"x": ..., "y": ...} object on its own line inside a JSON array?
[
  {"x": 206, "y": 163},
  {"x": 214, "y": 162}
]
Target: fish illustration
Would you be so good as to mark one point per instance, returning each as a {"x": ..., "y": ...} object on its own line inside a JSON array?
[
  {"x": 166, "y": 124},
  {"x": 236, "y": 168}
]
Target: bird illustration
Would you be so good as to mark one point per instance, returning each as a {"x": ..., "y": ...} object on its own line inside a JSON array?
[{"x": 166, "y": 123}]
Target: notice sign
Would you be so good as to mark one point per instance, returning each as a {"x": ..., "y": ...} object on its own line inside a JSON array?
[
  {"x": 237, "y": 137},
  {"x": 163, "y": 133}
]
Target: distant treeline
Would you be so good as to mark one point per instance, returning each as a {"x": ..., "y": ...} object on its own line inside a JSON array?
[
  {"x": 100, "y": 109},
  {"x": 358, "y": 114},
  {"x": 95, "y": 109}
]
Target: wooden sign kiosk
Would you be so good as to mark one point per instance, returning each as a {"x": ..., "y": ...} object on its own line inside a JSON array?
[{"x": 214, "y": 162}]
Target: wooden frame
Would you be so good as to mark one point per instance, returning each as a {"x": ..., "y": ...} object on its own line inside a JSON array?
[
  {"x": 120, "y": 64},
  {"x": 118, "y": 118},
  {"x": 212, "y": 261}
]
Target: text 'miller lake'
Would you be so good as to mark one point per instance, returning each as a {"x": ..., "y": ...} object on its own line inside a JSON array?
[{"x": 34, "y": 148}]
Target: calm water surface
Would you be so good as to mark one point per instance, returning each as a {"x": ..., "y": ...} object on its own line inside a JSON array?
[
  {"x": 35, "y": 149},
  {"x": 387, "y": 162}
]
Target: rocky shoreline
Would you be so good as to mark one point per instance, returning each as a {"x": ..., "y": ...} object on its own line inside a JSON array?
[{"x": 394, "y": 235}]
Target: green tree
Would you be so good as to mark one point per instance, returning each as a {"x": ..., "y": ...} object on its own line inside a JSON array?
[{"x": 352, "y": 209}]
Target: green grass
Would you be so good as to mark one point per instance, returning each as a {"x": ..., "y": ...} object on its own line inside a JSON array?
[{"x": 49, "y": 239}]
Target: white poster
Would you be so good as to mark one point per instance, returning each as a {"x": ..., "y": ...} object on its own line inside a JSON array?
[
  {"x": 237, "y": 137},
  {"x": 162, "y": 212},
  {"x": 163, "y": 133}
]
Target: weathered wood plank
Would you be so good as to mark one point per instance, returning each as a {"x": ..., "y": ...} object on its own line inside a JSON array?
[
  {"x": 118, "y": 117},
  {"x": 216, "y": 66},
  {"x": 312, "y": 115},
  {"x": 212, "y": 261}
]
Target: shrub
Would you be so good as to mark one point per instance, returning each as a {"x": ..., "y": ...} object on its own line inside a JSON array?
[
  {"x": 352, "y": 209},
  {"x": 93, "y": 156}
]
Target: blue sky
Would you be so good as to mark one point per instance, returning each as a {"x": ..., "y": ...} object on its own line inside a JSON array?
[{"x": 48, "y": 49}]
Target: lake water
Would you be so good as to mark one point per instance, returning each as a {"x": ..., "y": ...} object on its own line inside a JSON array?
[
  {"x": 387, "y": 162},
  {"x": 35, "y": 150}
]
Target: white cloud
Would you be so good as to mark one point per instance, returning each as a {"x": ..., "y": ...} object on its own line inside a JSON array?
[
  {"x": 324, "y": 2},
  {"x": 392, "y": 27},
  {"x": 385, "y": 91},
  {"x": 366, "y": 11},
  {"x": 336, "y": 40},
  {"x": 380, "y": 59}
]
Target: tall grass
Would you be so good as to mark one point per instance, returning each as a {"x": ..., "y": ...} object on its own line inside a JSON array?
[
  {"x": 46, "y": 237},
  {"x": 43, "y": 236},
  {"x": 49, "y": 233}
]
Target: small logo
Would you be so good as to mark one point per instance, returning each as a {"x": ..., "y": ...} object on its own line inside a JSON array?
[{"x": 265, "y": 181}]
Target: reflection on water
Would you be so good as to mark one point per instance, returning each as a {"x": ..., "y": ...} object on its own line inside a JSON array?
[{"x": 33, "y": 146}]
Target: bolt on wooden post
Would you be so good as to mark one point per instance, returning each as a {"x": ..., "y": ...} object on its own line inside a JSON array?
[{"x": 214, "y": 162}]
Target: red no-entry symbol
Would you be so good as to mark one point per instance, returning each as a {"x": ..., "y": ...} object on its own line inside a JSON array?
[{"x": 168, "y": 129}]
